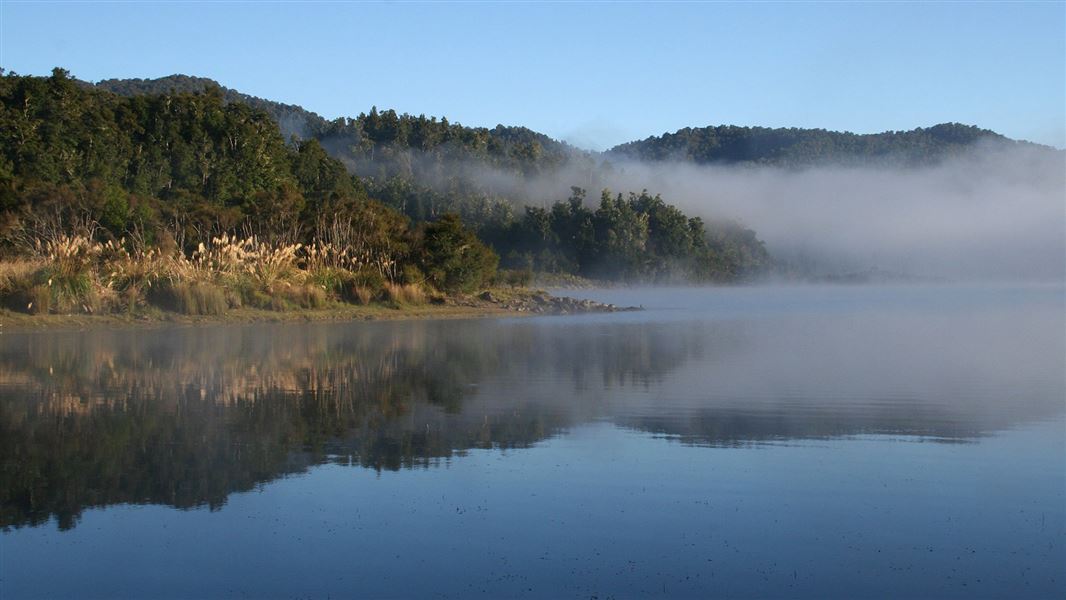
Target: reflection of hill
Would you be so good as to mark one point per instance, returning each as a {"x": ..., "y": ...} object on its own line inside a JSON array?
[
  {"x": 184, "y": 417},
  {"x": 759, "y": 423}
]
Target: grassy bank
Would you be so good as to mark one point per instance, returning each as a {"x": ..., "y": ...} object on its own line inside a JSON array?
[{"x": 73, "y": 281}]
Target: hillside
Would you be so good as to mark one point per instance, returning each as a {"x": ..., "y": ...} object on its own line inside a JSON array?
[
  {"x": 186, "y": 200},
  {"x": 371, "y": 142},
  {"x": 728, "y": 144}
]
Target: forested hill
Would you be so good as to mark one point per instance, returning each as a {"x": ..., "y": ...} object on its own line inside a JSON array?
[
  {"x": 424, "y": 166},
  {"x": 293, "y": 120},
  {"x": 177, "y": 171},
  {"x": 379, "y": 143},
  {"x": 728, "y": 144},
  {"x": 383, "y": 144}
]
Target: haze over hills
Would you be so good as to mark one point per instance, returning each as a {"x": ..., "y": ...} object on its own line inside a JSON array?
[
  {"x": 949, "y": 200},
  {"x": 527, "y": 150}
]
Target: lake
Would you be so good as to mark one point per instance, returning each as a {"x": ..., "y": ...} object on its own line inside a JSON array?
[{"x": 833, "y": 441}]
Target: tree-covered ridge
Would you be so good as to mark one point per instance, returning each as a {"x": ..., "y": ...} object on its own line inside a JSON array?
[
  {"x": 200, "y": 157},
  {"x": 293, "y": 120},
  {"x": 373, "y": 142},
  {"x": 524, "y": 151},
  {"x": 729, "y": 144},
  {"x": 423, "y": 166}
]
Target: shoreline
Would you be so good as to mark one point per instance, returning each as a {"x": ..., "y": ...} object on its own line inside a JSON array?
[{"x": 490, "y": 303}]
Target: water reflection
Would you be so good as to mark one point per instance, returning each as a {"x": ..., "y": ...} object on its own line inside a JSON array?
[{"x": 185, "y": 417}]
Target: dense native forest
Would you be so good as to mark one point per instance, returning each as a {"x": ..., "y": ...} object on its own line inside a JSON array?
[
  {"x": 211, "y": 182},
  {"x": 728, "y": 144},
  {"x": 221, "y": 184},
  {"x": 423, "y": 166}
]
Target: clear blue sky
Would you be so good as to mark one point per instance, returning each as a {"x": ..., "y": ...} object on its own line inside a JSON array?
[{"x": 595, "y": 74}]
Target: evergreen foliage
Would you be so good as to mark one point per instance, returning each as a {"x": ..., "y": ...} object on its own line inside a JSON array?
[
  {"x": 634, "y": 238},
  {"x": 180, "y": 162},
  {"x": 792, "y": 147}
]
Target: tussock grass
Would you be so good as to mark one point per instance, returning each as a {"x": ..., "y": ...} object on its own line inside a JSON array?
[
  {"x": 75, "y": 274},
  {"x": 406, "y": 294},
  {"x": 18, "y": 274},
  {"x": 190, "y": 298},
  {"x": 39, "y": 300},
  {"x": 360, "y": 295}
]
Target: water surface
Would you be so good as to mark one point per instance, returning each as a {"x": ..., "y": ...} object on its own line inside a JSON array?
[{"x": 746, "y": 442}]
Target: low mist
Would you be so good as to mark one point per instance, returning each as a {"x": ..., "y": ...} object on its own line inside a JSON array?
[{"x": 995, "y": 213}]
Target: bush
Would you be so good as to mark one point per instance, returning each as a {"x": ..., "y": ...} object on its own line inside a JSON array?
[
  {"x": 335, "y": 282},
  {"x": 70, "y": 289},
  {"x": 515, "y": 277},
  {"x": 364, "y": 287},
  {"x": 453, "y": 258},
  {"x": 412, "y": 274}
]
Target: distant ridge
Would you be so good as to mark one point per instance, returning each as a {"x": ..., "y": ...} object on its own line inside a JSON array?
[
  {"x": 729, "y": 144},
  {"x": 521, "y": 150}
]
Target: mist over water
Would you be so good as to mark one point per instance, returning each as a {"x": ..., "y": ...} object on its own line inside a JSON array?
[
  {"x": 812, "y": 441},
  {"x": 995, "y": 213}
]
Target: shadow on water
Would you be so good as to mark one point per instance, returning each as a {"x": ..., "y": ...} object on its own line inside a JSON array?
[{"x": 185, "y": 417}]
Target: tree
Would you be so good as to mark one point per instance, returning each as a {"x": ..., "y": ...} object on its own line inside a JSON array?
[{"x": 453, "y": 258}]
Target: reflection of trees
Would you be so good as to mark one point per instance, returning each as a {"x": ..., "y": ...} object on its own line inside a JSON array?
[{"x": 185, "y": 417}]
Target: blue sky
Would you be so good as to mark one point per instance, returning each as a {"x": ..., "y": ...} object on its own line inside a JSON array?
[{"x": 594, "y": 74}]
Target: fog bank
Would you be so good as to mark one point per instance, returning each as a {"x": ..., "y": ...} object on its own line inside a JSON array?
[{"x": 996, "y": 213}]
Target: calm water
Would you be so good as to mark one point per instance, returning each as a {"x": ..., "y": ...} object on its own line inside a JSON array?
[{"x": 762, "y": 442}]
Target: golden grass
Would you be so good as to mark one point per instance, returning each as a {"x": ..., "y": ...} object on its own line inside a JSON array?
[
  {"x": 16, "y": 274},
  {"x": 410, "y": 293},
  {"x": 77, "y": 274}
]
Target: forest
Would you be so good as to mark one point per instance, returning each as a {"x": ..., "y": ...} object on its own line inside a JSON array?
[
  {"x": 196, "y": 202},
  {"x": 793, "y": 147}
]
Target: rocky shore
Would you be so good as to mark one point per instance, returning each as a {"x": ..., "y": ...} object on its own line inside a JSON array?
[
  {"x": 494, "y": 302},
  {"x": 538, "y": 302}
]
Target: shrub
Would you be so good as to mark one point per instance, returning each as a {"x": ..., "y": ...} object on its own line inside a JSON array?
[
  {"x": 363, "y": 287},
  {"x": 335, "y": 282},
  {"x": 453, "y": 258},
  {"x": 70, "y": 289},
  {"x": 412, "y": 274},
  {"x": 515, "y": 277}
]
